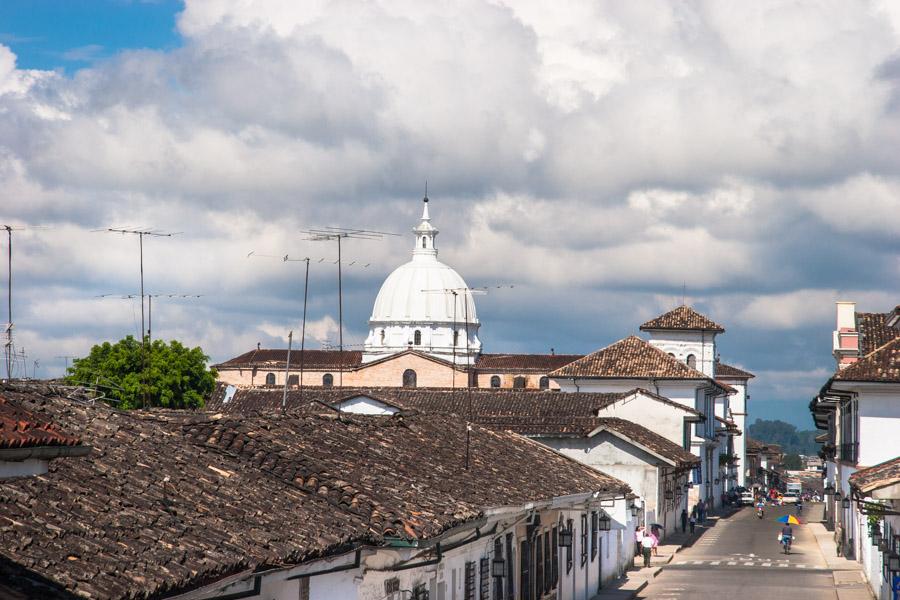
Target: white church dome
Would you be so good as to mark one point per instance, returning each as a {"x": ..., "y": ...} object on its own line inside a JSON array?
[
  {"x": 413, "y": 292},
  {"x": 424, "y": 305}
]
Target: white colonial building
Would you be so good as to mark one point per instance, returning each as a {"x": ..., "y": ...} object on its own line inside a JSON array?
[{"x": 424, "y": 305}]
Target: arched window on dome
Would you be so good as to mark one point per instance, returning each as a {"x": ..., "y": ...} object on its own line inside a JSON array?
[
  {"x": 382, "y": 337},
  {"x": 495, "y": 381},
  {"x": 409, "y": 378},
  {"x": 417, "y": 338},
  {"x": 270, "y": 378},
  {"x": 519, "y": 383},
  {"x": 691, "y": 361},
  {"x": 672, "y": 354},
  {"x": 327, "y": 380},
  {"x": 456, "y": 337},
  {"x": 545, "y": 383},
  {"x": 424, "y": 242}
]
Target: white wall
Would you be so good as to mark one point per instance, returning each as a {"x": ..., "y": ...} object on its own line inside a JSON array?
[
  {"x": 879, "y": 422},
  {"x": 702, "y": 344}
]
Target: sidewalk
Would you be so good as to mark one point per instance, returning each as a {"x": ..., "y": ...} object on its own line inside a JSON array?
[
  {"x": 849, "y": 581},
  {"x": 637, "y": 578}
]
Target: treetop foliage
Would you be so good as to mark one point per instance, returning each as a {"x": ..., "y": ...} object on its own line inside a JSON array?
[
  {"x": 176, "y": 376},
  {"x": 785, "y": 435}
]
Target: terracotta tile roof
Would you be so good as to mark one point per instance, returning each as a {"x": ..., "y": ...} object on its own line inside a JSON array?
[
  {"x": 277, "y": 358},
  {"x": 543, "y": 363},
  {"x": 652, "y": 441},
  {"x": 876, "y": 477},
  {"x": 486, "y": 402},
  {"x": 170, "y": 501},
  {"x": 730, "y": 372},
  {"x": 631, "y": 358},
  {"x": 881, "y": 365},
  {"x": 874, "y": 331},
  {"x": 20, "y": 428},
  {"x": 683, "y": 317}
]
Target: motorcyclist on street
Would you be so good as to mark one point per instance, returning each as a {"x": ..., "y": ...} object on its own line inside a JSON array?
[
  {"x": 799, "y": 506},
  {"x": 760, "y": 508},
  {"x": 787, "y": 535}
]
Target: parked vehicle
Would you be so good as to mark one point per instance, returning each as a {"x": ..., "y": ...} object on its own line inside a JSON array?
[{"x": 747, "y": 498}]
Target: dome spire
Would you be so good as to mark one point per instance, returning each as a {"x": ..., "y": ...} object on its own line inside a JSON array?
[{"x": 425, "y": 233}]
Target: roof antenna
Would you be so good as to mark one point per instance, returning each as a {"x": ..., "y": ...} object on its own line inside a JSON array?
[{"x": 426, "y": 190}]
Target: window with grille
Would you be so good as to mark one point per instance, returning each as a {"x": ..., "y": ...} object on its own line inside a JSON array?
[
  {"x": 498, "y": 581},
  {"x": 409, "y": 378},
  {"x": 570, "y": 557},
  {"x": 584, "y": 540},
  {"x": 469, "y": 581},
  {"x": 294, "y": 380},
  {"x": 519, "y": 383},
  {"x": 595, "y": 528},
  {"x": 417, "y": 338},
  {"x": 392, "y": 588},
  {"x": 495, "y": 381},
  {"x": 544, "y": 382},
  {"x": 485, "y": 580},
  {"x": 538, "y": 567},
  {"x": 554, "y": 549},
  {"x": 510, "y": 567},
  {"x": 524, "y": 569},
  {"x": 327, "y": 380},
  {"x": 548, "y": 564},
  {"x": 270, "y": 378}
]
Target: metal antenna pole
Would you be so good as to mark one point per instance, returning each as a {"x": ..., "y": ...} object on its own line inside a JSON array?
[
  {"x": 287, "y": 370},
  {"x": 468, "y": 386},
  {"x": 337, "y": 233},
  {"x": 303, "y": 328},
  {"x": 9, "y": 306},
  {"x": 340, "y": 321},
  {"x": 141, "y": 234},
  {"x": 453, "y": 335}
]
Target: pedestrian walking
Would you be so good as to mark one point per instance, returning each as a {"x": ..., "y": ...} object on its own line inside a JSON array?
[
  {"x": 654, "y": 538},
  {"x": 638, "y": 538},
  {"x": 693, "y": 522},
  {"x": 647, "y": 548},
  {"x": 684, "y": 519}
]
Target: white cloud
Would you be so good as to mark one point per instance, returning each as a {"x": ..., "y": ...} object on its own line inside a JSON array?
[{"x": 603, "y": 155}]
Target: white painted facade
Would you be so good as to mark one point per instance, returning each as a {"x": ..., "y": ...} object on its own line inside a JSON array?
[
  {"x": 739, "y": 410},
  {"x": 694, "y": 348},
  {"x": 424, "y": 305},
  {"x": 597, "y": 557},
  {"x": 697, "y": 394},
  {"x": 651, "y": 477}
]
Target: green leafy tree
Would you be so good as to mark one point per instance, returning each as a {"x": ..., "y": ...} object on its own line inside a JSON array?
[
  {"x": 792, "y": 462},
  {"x": 785, "y": 435},
  {"x": 176, "y": 376}
]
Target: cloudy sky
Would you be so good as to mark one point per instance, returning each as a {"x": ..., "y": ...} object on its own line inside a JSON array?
[{"x": 605, "y": 158}]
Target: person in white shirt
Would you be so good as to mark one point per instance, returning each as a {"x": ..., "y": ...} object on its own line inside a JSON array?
[{"x": 647, "y": 548}]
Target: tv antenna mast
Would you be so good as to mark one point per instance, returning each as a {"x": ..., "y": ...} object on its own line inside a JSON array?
[
  {"x": 141, "y": 233},
  {"x": 10, "y": 352},
  {"x": 455, "y": 292},
  {"x": 287, "y": 371},
  {"x": 327, "y": 234}
]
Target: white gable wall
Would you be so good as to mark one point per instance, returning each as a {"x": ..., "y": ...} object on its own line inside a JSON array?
[{"x": 679, "y": 343}]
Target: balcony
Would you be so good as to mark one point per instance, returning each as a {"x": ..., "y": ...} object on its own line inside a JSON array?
[{"x": 849, "y": 452}]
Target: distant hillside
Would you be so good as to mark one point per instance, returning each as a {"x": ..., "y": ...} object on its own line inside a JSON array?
[{"x": 785, "y": 435}]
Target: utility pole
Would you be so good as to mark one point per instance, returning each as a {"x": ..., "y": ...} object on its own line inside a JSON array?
[{"x": 9, "y": 324}]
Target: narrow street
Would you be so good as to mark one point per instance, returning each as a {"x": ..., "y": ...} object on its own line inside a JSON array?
[{"x": 740, "y": 557}]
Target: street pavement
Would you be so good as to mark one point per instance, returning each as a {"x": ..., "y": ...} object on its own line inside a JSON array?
[{"x": 740, "y": 557}]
